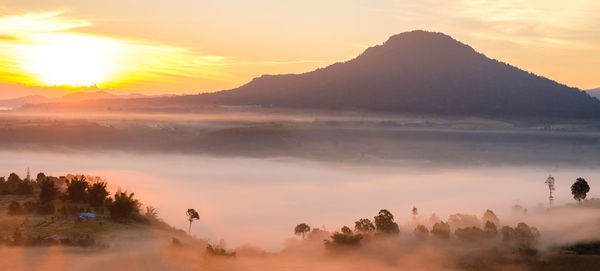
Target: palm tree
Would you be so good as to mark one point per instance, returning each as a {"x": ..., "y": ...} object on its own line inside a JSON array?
[
  {"x": 550, "y": 183},
  {"x": 191, "y": 216}
]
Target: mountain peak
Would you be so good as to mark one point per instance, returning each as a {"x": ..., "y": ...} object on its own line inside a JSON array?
[{"x": 417, "y": 72}]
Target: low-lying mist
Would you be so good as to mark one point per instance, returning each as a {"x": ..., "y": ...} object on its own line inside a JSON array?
[{"x": 257, "y": 201}]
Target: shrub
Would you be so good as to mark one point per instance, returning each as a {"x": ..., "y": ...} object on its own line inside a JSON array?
[
  {"x": 30, "y": 206},
  {"x": 14, "y": 208},
  {"x": 45, "y": 208},
  {"x": 217, "y": 251}
]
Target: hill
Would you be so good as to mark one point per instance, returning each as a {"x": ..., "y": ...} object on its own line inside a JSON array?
[
  {"x": 420, "y": 72},
  {"x": 69, "y": 98},
  {"x": 594, "y": 92}
]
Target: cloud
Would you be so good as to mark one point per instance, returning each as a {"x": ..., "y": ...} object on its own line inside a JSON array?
[
  {"x": 43, "y": 49},
  {"x": 39, "y": 23}
]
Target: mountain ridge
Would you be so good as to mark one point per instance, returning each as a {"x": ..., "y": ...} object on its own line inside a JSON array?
[{"x": 417, "y": 72}]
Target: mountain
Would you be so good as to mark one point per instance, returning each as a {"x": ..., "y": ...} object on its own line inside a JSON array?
[
  {"x": 69, "y": 98},
  {"x": 420, "y": 72},
  {"x": 12, "y": 103},
  {"x": 594, "y": 92}
]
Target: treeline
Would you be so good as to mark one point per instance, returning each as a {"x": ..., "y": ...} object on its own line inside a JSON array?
[
  {"x": 68, "y": 195},
  {"x": 522, "y": 237}
]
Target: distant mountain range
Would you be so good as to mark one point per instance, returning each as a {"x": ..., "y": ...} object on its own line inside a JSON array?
[
  {"x": 594, "y": 92},
  {"x": 73, "y": 97},
  {"x": 412, "y": 72}
]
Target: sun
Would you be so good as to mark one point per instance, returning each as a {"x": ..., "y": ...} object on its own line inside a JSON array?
[{"x": 69, "y": 59}]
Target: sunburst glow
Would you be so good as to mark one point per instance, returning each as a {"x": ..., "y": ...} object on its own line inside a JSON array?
[{"x": 73, "y": 60}]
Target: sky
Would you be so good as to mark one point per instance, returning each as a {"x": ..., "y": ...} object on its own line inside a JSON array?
[{"x": 192, "y": 46}]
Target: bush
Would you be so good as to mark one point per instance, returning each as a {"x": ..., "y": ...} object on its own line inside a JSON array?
[
  {"x": 30, "y": 206},
  {"x": 45, "y": 208},
  {"x": 124, "y": 207},
  {"x": 14, "y": 208},
  {"x": 217, "y": 251}
]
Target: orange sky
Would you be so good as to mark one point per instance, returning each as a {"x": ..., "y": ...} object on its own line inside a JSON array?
[{"x": 185, "y": 46}]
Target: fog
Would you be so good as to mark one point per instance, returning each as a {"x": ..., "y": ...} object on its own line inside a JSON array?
[
  {"x": 258, "y": 201},
  {"x": 254, "y": 176}
]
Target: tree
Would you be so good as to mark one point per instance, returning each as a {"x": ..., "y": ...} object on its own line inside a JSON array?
[
  {"x": 469, "y": 234},
  {"x": 508, "y": 234},
  {"x": 48, "y": 191},
  {"x": 191, "y": 216},
  {"x": 3, "y": 186},
  {"x": 550, "y": 183},
  {"x": 25, "y": 187},
  {"x": 346, "y": 230},
  {"x": 364, "y": 225},
  {"x": 384, "y": 223},
  {"x": 441, "y": 230},
  {"x": 40, "y": 177},
  {"x": 421, "y": 232},
  {"x": 12, "y": 182},
  {"x": 76, "y": 188},
  {"x": 526, "y": 236},
  {"x": 124, "y": 207},
  {"x": 97, "y": 194},
  {"x": 459, "y": 220},
  {"x": 301, "y": 229},
  {"x": 579, "y": 189},
  {"x": 490, "y": 230},
  {"x": 489, "y": 216}
]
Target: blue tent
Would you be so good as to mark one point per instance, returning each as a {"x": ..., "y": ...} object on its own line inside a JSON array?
[{"x": 87, "y": 215}]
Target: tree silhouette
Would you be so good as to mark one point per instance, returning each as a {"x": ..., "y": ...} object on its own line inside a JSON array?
[
  {"x": 191, "y": 216},
  {"x": 364, "y": 225},
  {"x": 123, "y": 207},
  {"x": 490, "y": 216},
  {"x": 301, "y": 229},
  {"x": 579, "y": 189},
  {"x": 97, "y": 194},
  {"x": 76, "y": 188},
  {"x": 48, "y": 191},
  {"x": 441, "y": 230},
  {"x": 12, "y": 183},
  {"x": 550, "y": 183},
  {"x": 490, "y": 230},
  {"x": 384, "y": 223},
  {"x": 421, "y": 232},
  {"x": 346, "y": 230}
]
